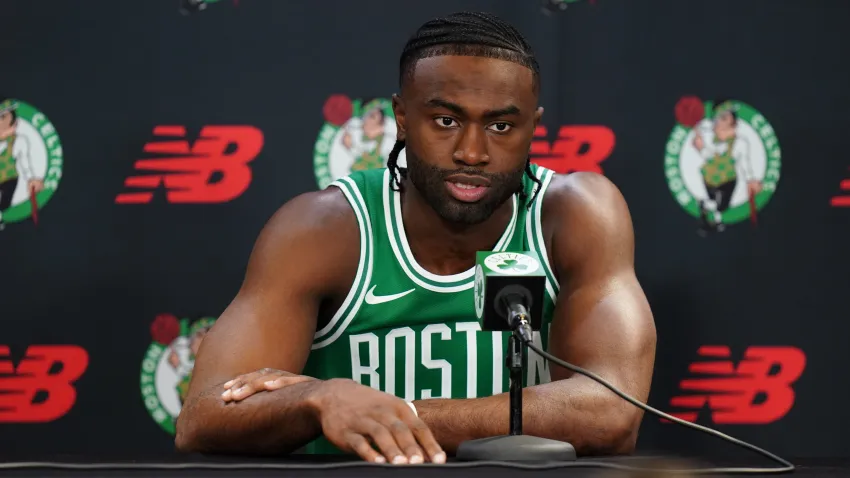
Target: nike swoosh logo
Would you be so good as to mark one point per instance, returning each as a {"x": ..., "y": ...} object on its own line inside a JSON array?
[{"x": 373, "y": 299}]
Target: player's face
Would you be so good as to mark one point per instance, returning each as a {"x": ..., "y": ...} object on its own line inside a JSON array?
[{"x": 468, "y": 123}]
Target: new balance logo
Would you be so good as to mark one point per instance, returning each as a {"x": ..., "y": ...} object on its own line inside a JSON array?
[
  {"x": 756, "y": 392},
  {"x": 842, "y": 200},
  {"x": 37, "y": 372},
  {"x": 577, "y": 148},
  {"x": 213, "y": 170}
]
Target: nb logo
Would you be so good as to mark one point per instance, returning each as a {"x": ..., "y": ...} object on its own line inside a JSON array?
[
  {"x": 373, "y": 299},
  {"x": 577, "y": 148},
  {"x": 757, "y": 392},
  {"x": 19, "y": 386},
  {"x": 214, "y": 170}
]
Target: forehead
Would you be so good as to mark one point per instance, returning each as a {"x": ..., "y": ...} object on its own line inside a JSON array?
[{"x": 460, "y": 78}]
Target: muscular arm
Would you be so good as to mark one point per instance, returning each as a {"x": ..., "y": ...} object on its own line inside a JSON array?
[
  {"x": 271, "y": 323},
  {"x": 602, "y": 323}
]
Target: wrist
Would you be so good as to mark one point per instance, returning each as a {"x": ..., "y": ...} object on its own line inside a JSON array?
[{"x": 321, "y": 392}]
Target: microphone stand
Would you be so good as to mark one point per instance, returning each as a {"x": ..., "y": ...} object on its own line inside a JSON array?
[{"x": 515, "y": 446}]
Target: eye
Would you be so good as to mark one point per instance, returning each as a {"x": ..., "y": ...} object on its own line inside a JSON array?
[
  {"x": 445, "y": 122},
  {"x": 500, "y": 127}
]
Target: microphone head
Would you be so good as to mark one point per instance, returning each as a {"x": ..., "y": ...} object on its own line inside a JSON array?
[{"x": 498, "y": 274}]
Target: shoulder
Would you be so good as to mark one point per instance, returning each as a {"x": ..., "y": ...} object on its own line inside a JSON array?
[
  {"x": 584, "y": 197},
  {"x": 299, "y": 231},
  {"x": 587, "y": 220},
  {"x": 314, "y": 212}
]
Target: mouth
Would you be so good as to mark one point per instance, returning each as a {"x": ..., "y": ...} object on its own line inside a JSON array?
[{"x": 467, "y": 188}]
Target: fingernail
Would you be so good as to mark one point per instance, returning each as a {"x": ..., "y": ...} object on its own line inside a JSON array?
[
  {"x": 415, "y": 460},
  {"x": 440, "y": 458},
  {"x": 270, "y": 383},
  {"x": 380, "y": 459},
  {"x": 228, "y": 384},
  {"x": 226, "y": 395},
  {"x": 399, "y": 459}
]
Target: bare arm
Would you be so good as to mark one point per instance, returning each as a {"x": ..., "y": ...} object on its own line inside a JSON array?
[
  {"x": 602, "y": 323},
  {"x": 270, "y": 324}
]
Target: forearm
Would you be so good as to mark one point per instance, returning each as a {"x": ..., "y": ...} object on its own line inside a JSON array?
[
  {"x": 576, "y": 410},
  {"x": 269, "y": 422}
]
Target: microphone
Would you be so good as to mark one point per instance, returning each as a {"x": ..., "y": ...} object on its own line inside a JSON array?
[{"x": 508, "y": 290}]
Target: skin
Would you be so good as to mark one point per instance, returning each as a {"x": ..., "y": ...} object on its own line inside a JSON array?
[{"x": 246, "y": 393}]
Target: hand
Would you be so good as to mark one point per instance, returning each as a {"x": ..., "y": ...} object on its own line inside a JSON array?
[
  {"x": 754, "y": 187},
  {"x": 36, "y": 185},
  {"x": 248, "y": 384},
  {"x": 353, "y": 415},
  {"x": 698, "y": 144}
]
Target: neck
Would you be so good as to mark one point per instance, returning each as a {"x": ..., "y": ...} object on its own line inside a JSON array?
[{"x": 443, "y": 247}]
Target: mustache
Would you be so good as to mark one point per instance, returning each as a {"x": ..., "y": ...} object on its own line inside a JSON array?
[{"x": 470, "y": 171}]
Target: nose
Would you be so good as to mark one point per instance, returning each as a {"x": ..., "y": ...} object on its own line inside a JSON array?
[{"x": 472, "y": 148}]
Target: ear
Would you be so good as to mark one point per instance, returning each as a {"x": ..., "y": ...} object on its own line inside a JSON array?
[
  {"x": 400, "y": 120},
  {"x": 537, "y": 115}
]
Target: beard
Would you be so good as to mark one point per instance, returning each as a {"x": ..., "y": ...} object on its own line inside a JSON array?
[{"x": 430, "y": 182}]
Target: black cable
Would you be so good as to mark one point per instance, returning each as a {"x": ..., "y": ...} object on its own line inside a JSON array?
[{"x": 786, "y": 467}]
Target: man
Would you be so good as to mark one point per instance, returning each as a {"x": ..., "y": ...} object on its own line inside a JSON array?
[
  {"x": 724, "y": 158},
  {"x": 15, "y": 161},
  {"x": 385, "y": 308}
]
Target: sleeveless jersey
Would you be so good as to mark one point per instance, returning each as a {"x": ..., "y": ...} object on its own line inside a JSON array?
[{"x": 409, "y": 332}]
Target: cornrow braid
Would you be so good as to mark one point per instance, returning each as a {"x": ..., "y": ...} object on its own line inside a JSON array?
[{"x": 464, "y": 34}]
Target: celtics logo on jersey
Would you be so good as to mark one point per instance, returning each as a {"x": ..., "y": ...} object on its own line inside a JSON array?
[
  {"x": 167, "y": 366},
  {"x": 357, "y": 135},
  {"x": 722, "y": 161},
  {"x": 30, "y": 161}
]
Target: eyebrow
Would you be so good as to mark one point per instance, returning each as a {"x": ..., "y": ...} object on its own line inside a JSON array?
[{"x": 441, "y": 103}]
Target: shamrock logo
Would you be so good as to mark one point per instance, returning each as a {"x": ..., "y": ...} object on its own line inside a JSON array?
[{"x": 509, "y": 264}]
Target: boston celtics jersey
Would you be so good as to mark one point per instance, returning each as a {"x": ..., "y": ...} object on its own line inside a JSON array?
[{"x": 412, "y": 333}]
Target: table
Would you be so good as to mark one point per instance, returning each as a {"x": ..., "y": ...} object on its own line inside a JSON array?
[{"x": 199, "y": 466}]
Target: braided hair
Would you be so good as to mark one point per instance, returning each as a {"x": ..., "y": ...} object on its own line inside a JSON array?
[{"x": 466, "y": 34}]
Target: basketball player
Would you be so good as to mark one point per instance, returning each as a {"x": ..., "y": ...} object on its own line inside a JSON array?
[{"x": 355, "y": 328}]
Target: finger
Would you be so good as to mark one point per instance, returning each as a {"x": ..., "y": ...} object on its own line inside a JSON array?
[
  {"x": 281, "y": 382},
  {"x": 385, "y": 441},
  {"x": 405, "y": 439},
  {"x": 361, "y": 446},
  {"x": 248, "y": 389},
  {"x": 426, "y": 439}
]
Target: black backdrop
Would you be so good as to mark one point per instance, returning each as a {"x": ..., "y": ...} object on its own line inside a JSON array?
[{"x": 95, "y": 272}]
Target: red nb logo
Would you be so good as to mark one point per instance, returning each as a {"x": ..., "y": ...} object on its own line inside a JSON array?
[
  {"x": 757, "y": 392},
  {"x": 18, "y": 387},
  {"x": 188, "y": 173},
  {"x": 842, "y": 201},
  {"x": 577, "y": 148}
]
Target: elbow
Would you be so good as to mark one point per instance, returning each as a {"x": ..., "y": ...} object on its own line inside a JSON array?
[
  {"x": 616, "y": 434},
  {"x": 623, "y": 433},
  {"x": 187, "y": 436}
]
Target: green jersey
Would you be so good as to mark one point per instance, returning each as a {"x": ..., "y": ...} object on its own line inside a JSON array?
[{"x": 414, "y": 334}]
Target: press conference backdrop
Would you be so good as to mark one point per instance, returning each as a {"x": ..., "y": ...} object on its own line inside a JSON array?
[{"x": 150, "y": 147}]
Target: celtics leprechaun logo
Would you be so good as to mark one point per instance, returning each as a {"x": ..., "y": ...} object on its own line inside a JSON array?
[
  {"x": 167, "y": 366},
  {"x": 30, "y": 161},
  {"x": 722, "y": 162},
  {"x": 357, "y": 135}
]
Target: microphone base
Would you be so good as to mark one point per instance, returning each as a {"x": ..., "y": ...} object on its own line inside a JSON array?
[{"x": 515, "y": 448}]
